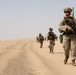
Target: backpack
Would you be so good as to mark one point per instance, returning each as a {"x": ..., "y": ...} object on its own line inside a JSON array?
[
  {"x": 41, "y": 38},
  {"x": 51, "y": 36}
]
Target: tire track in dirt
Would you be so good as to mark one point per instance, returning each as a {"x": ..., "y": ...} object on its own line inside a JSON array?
[
  {"x": 53, "y": 62},
  {"x": 18, "y": 65},
  {"x": 39, "y": 66},
  {"x": 8, "y": 48},
  {"x": 7, "y": 54},
  {"x": 26, "y": 59}
]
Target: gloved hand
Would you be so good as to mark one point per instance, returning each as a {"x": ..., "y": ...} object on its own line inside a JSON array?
[{"x": 68, "y": 28}]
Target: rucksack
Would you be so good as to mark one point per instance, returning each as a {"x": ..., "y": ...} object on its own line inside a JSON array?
[
  {"x": 41, "y": 38},
  {"x": 51, "y": 36}
]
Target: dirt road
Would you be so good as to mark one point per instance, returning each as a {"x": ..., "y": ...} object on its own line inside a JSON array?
[{"x": 24, "y": 57}]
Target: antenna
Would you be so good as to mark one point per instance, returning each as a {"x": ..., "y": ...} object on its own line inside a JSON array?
[{"x": 73, "y": 12}]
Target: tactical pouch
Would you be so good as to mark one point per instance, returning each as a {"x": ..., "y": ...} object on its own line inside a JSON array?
[{"x": 61, "y": 38}]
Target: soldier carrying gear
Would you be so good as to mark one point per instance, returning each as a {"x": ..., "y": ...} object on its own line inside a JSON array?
[
  {"x": 37, "y": 39},
  {"x": 69, "y": 38},
  {"x": 51, "y": 37},
  {"x": 41, "y": 39}
]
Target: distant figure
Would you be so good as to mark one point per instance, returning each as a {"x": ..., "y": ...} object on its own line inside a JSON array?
[
  {"x": 51, "y": 36},
  {"x": 45, "y": 38},
  {"x": 37, "y": 39},
  {"x": 41, "y": 39},
  {"x": 67, "y": 26}
]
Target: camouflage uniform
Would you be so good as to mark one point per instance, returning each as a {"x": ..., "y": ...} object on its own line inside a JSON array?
[
  {"x": 51, "y": 45},
  {"x": 51, "y": 39},
  {"x": 69, "y": 39},
  {"x": 41, "y": 39}
]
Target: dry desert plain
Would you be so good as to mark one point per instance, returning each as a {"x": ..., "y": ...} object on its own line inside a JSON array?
[{"x": 24, "y": 57}]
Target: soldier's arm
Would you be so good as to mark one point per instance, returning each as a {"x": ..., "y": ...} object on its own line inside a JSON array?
[
  {"x": 62, "y": 27},
  {"x": 55, "y": 36}
]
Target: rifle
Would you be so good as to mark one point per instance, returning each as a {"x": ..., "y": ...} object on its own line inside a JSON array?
[
  {"x": 72, "y": 26},
  {"x": 72, "y": 12}
]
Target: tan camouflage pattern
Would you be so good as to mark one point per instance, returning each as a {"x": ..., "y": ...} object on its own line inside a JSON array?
[
  {"x": 51, "y": 45},
  {"x": 69, "y": 41}
]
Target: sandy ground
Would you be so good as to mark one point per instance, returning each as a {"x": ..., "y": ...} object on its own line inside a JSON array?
[{"x": 24, "y": 57}]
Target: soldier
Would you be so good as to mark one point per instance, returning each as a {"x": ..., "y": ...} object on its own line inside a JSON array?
[
  {"x": 69, "y": 38},
  {"x": 51, "y": 37},
  {"x": 41, "y": 39},
  {"x": 37, "y": 39}
]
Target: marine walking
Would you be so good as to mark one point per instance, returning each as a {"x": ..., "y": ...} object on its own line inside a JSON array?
[
  {"x": 68, "y": 28},
  {"x": 41, "y": 39},
  {"x": 51, "y": 37}
]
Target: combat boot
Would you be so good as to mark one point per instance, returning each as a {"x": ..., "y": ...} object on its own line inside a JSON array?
[
  {"x": 41, "y": 45},
  {"x": 65, "y": 60},
  {"x": 49, "y": 47},
  {"x": 50, "y": 51},
  {"x": 73, "y": 63}
]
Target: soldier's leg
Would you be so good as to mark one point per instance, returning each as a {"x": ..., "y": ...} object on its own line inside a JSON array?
[
  {"x": 50, "y": 44},
  {"x": 73, "y": 50},
  {"x": 52, "y": 49},
  {"x": 53, "y": 44},
  {"x": 40, "y": 45},
  {"x": 66, "y": 45}
]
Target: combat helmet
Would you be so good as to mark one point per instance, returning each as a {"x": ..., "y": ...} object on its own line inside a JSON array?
[
  {"x": 51, "y": 28},
  {"x": 68, "y": 9},
  {"x": 39, "y": 34}
]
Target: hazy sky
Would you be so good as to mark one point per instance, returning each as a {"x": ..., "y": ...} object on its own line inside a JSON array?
[{"x": 28, "y": 18}]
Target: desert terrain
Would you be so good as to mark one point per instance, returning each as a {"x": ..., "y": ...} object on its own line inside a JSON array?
[{"x": 25, "y": 57}]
